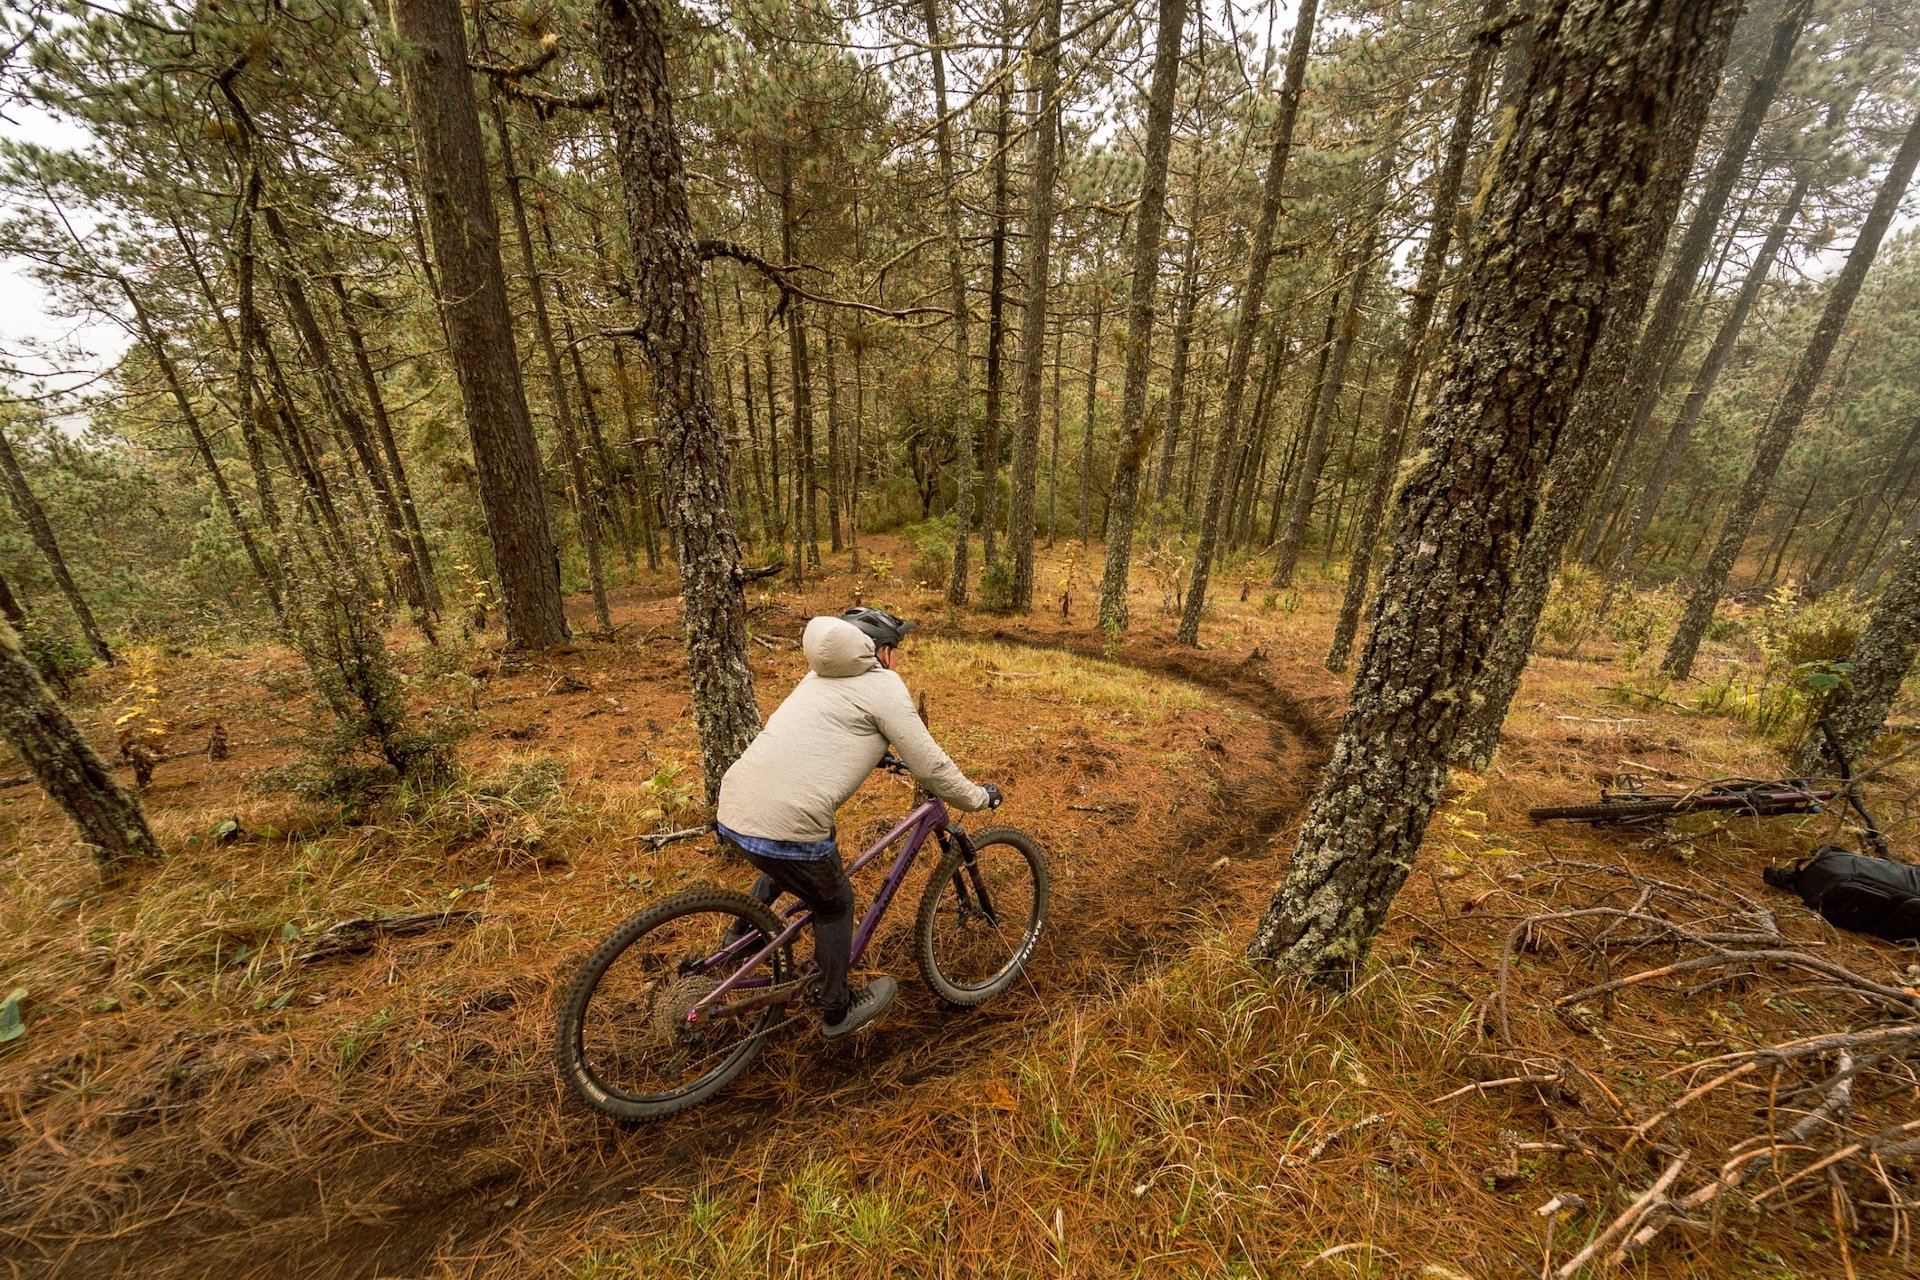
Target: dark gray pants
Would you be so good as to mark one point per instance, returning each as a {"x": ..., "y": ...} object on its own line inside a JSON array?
[{"x": 822, "y": 884}]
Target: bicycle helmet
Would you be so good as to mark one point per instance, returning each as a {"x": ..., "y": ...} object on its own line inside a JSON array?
[{"x": 883, "y": 627}]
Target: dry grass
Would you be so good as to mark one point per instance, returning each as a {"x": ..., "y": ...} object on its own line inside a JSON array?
[{"x": 190, "y": 1101}]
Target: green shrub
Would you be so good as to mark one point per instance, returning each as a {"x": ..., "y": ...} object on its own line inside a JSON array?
[
  {"x": 996, "y": 586},
  {"x": 58, "y": 658}
]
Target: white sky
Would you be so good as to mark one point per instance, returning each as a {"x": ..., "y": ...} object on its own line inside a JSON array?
[{"x": 30, "y": 329}]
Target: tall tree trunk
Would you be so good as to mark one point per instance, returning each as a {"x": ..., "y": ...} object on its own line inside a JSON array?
[
  {"x": 1908, "y": 534},
  {"x": 1600, "y": 409},
  {"x": 1136, "y": 428},
  {"x": 996, "y": 332},
  {"x": 1603, "y": 76},
  {"x": 1771, "y": 445},
  {"x": 65, "y": 764},
  {"x": 1093, "y": 403},
  {"x": 1718, "y": 354},
  {"x": 1182, "y": 344},
  {"x": 1406, "y": 377},
  {"x": 34, "y": 516},
  {"x": 1246, "y": 322},
  {"x": 767, "y": 530},
  {"x": 957, "y": 292},
  {"x": 835, "y": 485},
  {"x": 673, "y": 327},
  {"x": 1033, "y": 321},
  {"x": 583, "y": 501},
  {"x": 466, "y": 246},
  {"x": 1293, "y": 534}
]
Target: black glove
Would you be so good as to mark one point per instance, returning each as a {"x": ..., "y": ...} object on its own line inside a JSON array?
[{"x": 993, "y": 795}]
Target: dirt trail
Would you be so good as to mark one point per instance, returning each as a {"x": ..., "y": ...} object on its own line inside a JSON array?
[{"x": 458, "y": 1191}]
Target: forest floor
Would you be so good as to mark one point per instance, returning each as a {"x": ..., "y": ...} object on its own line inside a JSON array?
[{"x": 197, "y": 1094}]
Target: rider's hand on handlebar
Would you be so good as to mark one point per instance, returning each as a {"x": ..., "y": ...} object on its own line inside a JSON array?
[
  {"x": 892, "y": 763},
  {"x": 993, "y": 795}
]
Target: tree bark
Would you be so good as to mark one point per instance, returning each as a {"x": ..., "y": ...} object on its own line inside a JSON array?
[
  {"x": 673, "y": 332},
  {"x": 1406, "y": 378},
  {"x": 1771, "y": 445},
  {"x": 466, "y": 246},
  {"x": 957, "y": 290},
  {"x": 1562, "y": 220},
  {"x": 66, "y": 765},
  {"x": 1246, "y": 321},
  {"x": 1033, "y": 321},
  {"x": 34, "y": 516}
]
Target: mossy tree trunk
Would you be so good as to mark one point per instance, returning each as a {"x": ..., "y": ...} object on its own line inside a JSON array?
[
  {"x": 672, "y": 327},
  {"x": 1563, "y": 215},
  {"x": 66, "y": 765}
]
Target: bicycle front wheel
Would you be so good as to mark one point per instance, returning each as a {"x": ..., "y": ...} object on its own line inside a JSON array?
[
  {"x": 981, "y": 916},
  {"x": 625, "y": 1045}
]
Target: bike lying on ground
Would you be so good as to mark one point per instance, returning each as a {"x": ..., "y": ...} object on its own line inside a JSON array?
[
  {"x": 678, "y": 999},
  {"x": 1740, "y": 797}
]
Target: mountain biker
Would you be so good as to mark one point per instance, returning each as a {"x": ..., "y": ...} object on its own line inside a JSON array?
[{"x": 777, "y": 801}]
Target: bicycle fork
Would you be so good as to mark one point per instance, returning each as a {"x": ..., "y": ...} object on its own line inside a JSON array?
[{"x": 969, "y": 886}]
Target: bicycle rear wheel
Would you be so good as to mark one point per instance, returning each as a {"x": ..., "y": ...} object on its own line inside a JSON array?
[
  {"x": 980, "y": 917},
  {"x": 625, "y": 1046}
]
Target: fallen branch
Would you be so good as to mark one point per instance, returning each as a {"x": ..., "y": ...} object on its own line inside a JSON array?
[
  {"x": 350, "y": 937},
  {"x": 1478, "y": 1086},
  {"x": 661, "y": 839},
  {"x": 1649, "y": 1200}
]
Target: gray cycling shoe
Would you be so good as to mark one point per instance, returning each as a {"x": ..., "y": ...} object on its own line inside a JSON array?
[{"x": 869, "y": 1002}]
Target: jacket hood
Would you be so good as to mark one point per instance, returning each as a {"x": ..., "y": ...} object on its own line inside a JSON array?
[{"x": 836, "y": 649}]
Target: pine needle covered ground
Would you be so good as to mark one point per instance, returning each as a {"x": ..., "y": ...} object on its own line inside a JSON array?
[{"x": 214, "y": 1079}]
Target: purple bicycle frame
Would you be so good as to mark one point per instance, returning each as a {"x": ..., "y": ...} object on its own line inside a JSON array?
[{"x": 931, "y": 816}]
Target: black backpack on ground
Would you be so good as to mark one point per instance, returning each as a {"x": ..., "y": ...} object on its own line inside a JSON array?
[{"x": 1867, "y": 895}]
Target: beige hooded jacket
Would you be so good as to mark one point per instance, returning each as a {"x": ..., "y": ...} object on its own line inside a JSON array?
[{"x": 825, "y": 739}]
